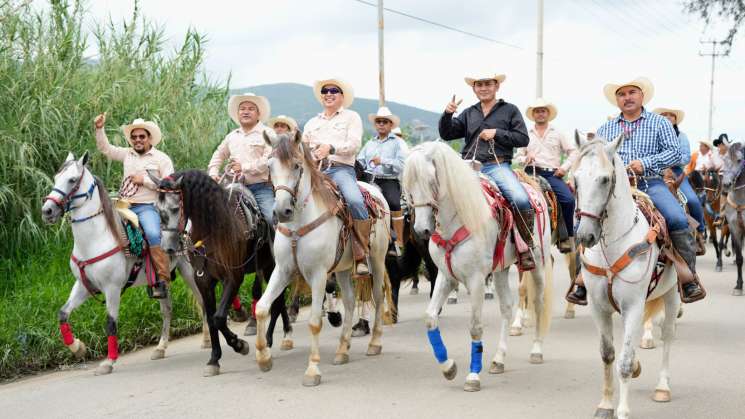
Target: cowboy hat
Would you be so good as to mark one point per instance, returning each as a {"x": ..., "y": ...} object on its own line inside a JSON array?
[
  {"x": 541, "y": 103},
  {"x": 679, "y": 114},
  {"x": 261, "y": 103},
  {"x": 149, "y": 126},
  {"x": 722, "y": 139},
  {"x": 384, "y": 113},
  {"x": 707, "y": 143},
  {"x": 283, "y": 119},
  {"x": 470, "y": 80},
  {"x": 345, "y": 87},
  {"x": 642, "y": 83}
]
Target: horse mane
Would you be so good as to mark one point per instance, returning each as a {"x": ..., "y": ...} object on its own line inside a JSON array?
[
  {"x": 590, "y": 147},
  {"x": 453, "y": 177},
  {"x": 111, "y": 219},
  {"x": 289, "y": 149}
]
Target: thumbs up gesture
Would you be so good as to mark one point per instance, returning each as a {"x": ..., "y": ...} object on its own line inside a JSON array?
[{"x": 453, "y": 105}]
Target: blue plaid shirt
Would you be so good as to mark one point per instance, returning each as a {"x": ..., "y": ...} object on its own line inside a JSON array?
[{"x": 651, "y": 140}]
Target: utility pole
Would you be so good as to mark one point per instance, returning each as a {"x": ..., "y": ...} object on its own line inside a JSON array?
[
  {"x": 381, "y": 66},
  {"x": 539, "y": 53},
  {"x": 713, "y": 54}
]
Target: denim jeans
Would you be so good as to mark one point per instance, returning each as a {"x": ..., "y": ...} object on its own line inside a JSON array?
[
  {"x": 346, "y": 181},
  {"x": 563, "y": 196},
  {"x": 508, "y": 184},
  {"x": 149, "y": 221},
  {"x": 264, "y": 194},
  {"x": 694, "y": 204},
  {"x": 666, "y": 203}
]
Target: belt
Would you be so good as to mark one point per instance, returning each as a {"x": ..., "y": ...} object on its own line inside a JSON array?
[
  {"x": 498, "y": 160},
  {"x": 539, "y": 169},
  {"x": 333, "y": 163}
]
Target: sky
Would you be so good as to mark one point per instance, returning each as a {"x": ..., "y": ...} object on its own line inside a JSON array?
[{"x": 587, "y": 43}]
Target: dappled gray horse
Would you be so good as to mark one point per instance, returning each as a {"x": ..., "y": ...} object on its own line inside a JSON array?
[{"x": 733, "y": 181}]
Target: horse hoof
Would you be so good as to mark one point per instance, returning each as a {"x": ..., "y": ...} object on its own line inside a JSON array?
[
  {"x": 266, "y": 366},
  {"x": 451, "y": 372},
  {"x": 569, "y": 314},
  {"x": 78, "y": 349},
  {"x": 496, "y": 368},
  {"x": 335, "y": 318},
  {"x": 104, "y": 369},
  {"x": 536, "y": 358},
  {"x": 311, "y": 380},
  {"x": 211, "y": 371},
  {"x": 604, "y": 414},
  {"x": 472, "y": 385},
  {"x": 341, "y": 359},
  {"x": 680, "y": 311},
  {"x": 286, "y": 345},
  {"x": 737, "y": 292},
  {"x": 647, "y": 344},
  {"x": 373, "y": 350},
  {"x": 452, "y": 300},
  {"x": 637, "y": 371},
  {"x": 158, "y": 354},
  {"x": 662, "y": 396},
  {"x": 488, "y": 296},
  {"x": 414, "y": 291},
  {"x": 516, "y": 331},
  {"x": 250, "y": 330},
  {"x": 244, "y": 348}
]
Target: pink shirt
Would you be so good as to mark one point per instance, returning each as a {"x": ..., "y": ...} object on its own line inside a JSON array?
[
  {"x": 343, "y": 130},
  {"x": 548, "y": 150},
  {"x": 247, "y": 148}
]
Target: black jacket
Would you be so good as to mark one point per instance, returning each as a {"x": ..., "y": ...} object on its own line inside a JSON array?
[{"x": 505, "y": 117}]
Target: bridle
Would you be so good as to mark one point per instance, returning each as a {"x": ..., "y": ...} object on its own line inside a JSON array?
[
  {"x": 180, "y": 229},
  {"x": 293, "y": 191},
  {"x": 67, "y": 198},
  {"x": 611, "y": 193}
]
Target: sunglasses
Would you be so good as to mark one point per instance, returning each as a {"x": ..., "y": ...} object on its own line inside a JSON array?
[
  {"x": 382, "y": 121},
  {"x": 331, "y": 91},
  {"x": 138, "y": 137}
]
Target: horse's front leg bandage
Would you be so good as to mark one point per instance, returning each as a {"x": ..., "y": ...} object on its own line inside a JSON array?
[
  {"x": 66, "y": 330},
  {"x": 438, "y": 347},
  {"x": 477, "y": 351}
]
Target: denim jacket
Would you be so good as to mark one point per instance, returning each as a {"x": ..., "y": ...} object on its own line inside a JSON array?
[{"x": 392, "y": 152}]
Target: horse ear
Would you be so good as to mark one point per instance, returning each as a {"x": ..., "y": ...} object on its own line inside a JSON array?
[
  {"x": 298, "y": 137},
  {"x": 177, "y": 184},
  {"x": 270, "y": 136},
  {"x": 579, "y": 139},
  {"x": 614, "y": 145},
  {"x": 733, "y": 152},
  {"x": 70, "y": 157},
  {"x": 153, "y": 175},
  {"x": 84, "y": 158}
]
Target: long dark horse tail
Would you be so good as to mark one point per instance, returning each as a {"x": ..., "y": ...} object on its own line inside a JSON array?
[{"x": 111, "y": 221}]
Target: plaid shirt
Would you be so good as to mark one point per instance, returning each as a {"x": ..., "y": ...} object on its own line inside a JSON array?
[{"x": 651, "y": 140}]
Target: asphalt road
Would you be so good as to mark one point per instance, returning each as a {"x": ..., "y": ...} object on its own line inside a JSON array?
[{"x": 707, "y": 367}]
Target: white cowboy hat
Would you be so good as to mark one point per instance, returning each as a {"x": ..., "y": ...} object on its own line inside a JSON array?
[
  {"x": 470, "y": 80},
  {"x": 642, "y": 83},
  {"x": 397, "y": 132},
  {"x": 261, "y": 103},
  {"x": 707, "y": 143},
  {"x": 679, "y": 114},
  {"x": 384, "y": 113},
  {"x": 541, "y": 103},
  {"x": 345, "y": 87},
  {"x": 149, "y": 126},
  {"x": 290, "y": 122}
]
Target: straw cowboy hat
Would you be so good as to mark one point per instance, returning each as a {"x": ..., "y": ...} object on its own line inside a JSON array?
[
  {"x": 290, "y": 122},
  {"x": 541, "y": 103},
  {"x": 384, "y": 113},
  {"x": 642, "y": 83},
  {"x": 149, "y": 126},
  {"x": 679, "y": 115},
  {"x": 708, "y": 143},
  {"x": 345, "y": 87},
  {"x": 261, "y": 103},
  {"x": 470, "y": 80}
]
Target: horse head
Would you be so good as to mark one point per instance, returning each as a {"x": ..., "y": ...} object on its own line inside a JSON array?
[
  {"x": 170, "y": 206},
  {"x": 732, "y": 169},
  {"x": 287, "y": 168},
  {"x": 595, "y": 182},
  {"x": 71, "y": 178},
  {"x": 420, "y": 184}
]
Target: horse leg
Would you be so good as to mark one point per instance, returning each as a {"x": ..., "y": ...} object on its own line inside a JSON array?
[
  {"x": 737, "y": 247},
  {"x": 715, "y": 243},
  {"x": 648, "y": 337},
  {"x": 443, "y": 285},
  {"x": 604, "y": 323},
  {"x": 187, "y": 273},
  {"x": 431, "y": 268},
  {"x": 476, "y": 286},
  {"x": 113, "y": 298},
  {"x": 517, "y": 325},
  {"x": 672, "y": 302},
  {"x": 571, "y": 260},
  {"x": 166, "y": 307},
  {"x": 312, "y": 376},
  {"x": 77, "y": 296},
  {"x": 277, "y": 283},
  {"x": 502, "y": 286},
  {"x": 375, "y": 347},
  {"x": 287, "y": 342},
  {"x": 229, "y": 291},
  {"x": 628, "y": 365},
  {"x": 207, "y": 290},
  {"x": 275, "y": 311},
  {"x": 349, "y": 301},
  {"x": 251, "y": 329},
  {"x": 333, "y": 313},
  {"x": 538, "y": 278},
  {"x": 489, "y": 288}
]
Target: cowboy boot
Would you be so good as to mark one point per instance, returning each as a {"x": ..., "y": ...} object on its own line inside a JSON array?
[
  {"x": 397, "y": 222},
  {"x": 524, "y": 222},
  {"x": 700, "y": 244},
  {"x": 162, "y": 266},
  {"x": 361, "y": 245},
  {"x": 684, "y": 244},
  {"x": 577, "y": 292}
]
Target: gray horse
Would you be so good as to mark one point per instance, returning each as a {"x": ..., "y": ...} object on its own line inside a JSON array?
[{"x": 733, "y": 182}]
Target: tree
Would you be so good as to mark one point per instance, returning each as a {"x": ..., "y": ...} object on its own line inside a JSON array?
[{"x": 727, "y": 10}]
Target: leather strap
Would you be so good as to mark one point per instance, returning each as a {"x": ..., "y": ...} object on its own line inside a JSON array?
[
  {"x": 295, "y": 235},
  {"x": 460, "y": 235},
  {"x": 83, "y": 263}
]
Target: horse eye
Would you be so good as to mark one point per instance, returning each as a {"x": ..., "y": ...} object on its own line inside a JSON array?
[
  {"x": 72, "y": 180},
  {"x": 604, "y": 180},
  {"x": 174, "y": 210},
  {"x": 297, "y": 166}
]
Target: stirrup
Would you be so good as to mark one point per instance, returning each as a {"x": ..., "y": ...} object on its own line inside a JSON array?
[
  {"x": 526, "y": 261},
  {"x": 696, "y": 297},
  {"x": 158, "y": 291}
]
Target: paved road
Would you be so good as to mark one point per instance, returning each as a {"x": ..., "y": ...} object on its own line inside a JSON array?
[{"x": 708, "y": 373}]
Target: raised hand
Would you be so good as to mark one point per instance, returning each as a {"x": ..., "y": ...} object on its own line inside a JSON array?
[
  {"x": 453, "y": 105},
  {"x": 100, "y": 121}
]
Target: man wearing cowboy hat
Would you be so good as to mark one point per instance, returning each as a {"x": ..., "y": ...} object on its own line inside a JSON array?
[
  {"x": 336, "y": 134},
  {"x": 708, "y": 159},
  {"x": 492, "y": 130},
  {"x": 142, "y": 156},
  {"x": 675, "y": 116},
  {"x": 283, "y": 124},
  {"x": 650, "y": 147},
  {"x": 543, "y": 157},
  {"x": 246, "y": 150}
]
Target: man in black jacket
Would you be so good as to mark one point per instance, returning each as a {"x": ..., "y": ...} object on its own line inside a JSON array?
[{"x": 492, "y": 129}]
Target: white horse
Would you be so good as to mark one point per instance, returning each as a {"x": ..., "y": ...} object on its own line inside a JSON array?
[
  {"x": 447, "y": 196},
  {"x": 304, "y": 207},
  {"x": 610, "y": 223},
  {"x": 102, "y": 265}
]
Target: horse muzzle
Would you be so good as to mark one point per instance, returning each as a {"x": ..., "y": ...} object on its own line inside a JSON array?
[
  {"x": 50, "y": 212},
  {"x": 588, "y": 232}
]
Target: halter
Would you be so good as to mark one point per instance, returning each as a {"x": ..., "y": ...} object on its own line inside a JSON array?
[
  {"x": 611, "y": 192},
  {"x": 294, "y": 190},
  {"x": 181, "y": 219},
  {"x": 65, "y": 203}
]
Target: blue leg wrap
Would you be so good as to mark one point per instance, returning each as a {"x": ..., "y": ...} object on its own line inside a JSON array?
[
  {"x": 441, "y": 353},
  {"x": 477, "y": 351}
]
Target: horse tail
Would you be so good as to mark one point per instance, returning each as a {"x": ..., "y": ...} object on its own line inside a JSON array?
[
  {"x": 653, "y": 307},
  {"x": 548, "y": 293},
  {"x": 390, "y": 313}
]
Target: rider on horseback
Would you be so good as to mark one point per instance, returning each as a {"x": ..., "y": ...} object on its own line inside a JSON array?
[
  {"x": 142, "y": 136},
  {"x": 543, "y": 157},
  {"x": 492, "y": 129},
  {"x": 336, "y": 135},
  {"x": 650, "y": 147},
  {"x": 246, "y": 150}
]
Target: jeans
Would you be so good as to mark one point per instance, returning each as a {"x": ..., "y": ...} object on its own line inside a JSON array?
[
  {"x": 506, "y": 180},
  {"x": 346, "y": 181},
  {"x": 149, "y": 221},
  {"x": 264, "y": 194},
  {"x": 694, "y": 204},
  {"x": 666, "y": 203},
  {"x": 563, "y": 196}
]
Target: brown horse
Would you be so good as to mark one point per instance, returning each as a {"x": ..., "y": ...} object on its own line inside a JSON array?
[{"x": 708, "y": 187}]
